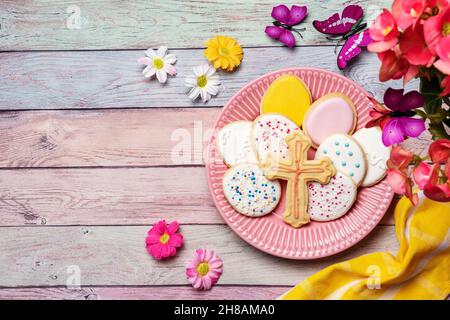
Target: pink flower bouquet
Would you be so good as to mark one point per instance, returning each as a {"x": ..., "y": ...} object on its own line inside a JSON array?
[{"x": 412, "y": 40}]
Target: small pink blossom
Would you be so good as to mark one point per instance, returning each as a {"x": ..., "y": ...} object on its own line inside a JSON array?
[
  {"x": 204, "y": 270},
  {"x": 410, "y": 12},
  {"x": 383, "y": 32},
  {"x": 437, "y": 37},
  {"x": 437, "y": 27},
  {"x": 443, "y": 50},
  {"x": 428, "y": 179},
  {"x": 445, "y": 85},
  {"x": 439, "y": 151},
  {"x": 414, "y": 47},
  {"x": 163, "y": 240},
  {"x": 398, "y": 175}
]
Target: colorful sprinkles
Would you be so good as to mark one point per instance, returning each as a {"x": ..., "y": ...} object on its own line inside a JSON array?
[
  {"x": 249, "y": 191},
  {"x": 346, "y": 154},
  {"x": 269, "y": 133},
  {"x": 331, "y": 201}
]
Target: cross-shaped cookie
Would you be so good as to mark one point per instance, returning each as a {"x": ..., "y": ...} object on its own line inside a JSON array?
[{"x": 298, "y": 170}]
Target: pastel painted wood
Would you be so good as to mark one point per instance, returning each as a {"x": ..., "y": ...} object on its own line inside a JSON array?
[
  {"x": 87, "y": 145},
  {"x": 113, "y": 138},
  {"x": 116, "y": 255},
  {"x": 144, "y": 293},
  {"x": 148, "y": 137},
  {"x": 62, "y": 80},
  {"x": 108, "y": 24},
  {"x": 107, "y": 196}
]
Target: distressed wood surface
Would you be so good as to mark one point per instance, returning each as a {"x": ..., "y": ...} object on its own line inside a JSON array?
[
  {"x": 113, "y": 138},
  {"x": 46, "y": 256},
  {"x": 125, "y": 196},
  {"x": 218, "y": 292},
  {"x": 113, "y": 79},
  {"x": 108, "y": 24},
  {"x": 88, "y": 147},
  {"x": 75, "y": 138}
]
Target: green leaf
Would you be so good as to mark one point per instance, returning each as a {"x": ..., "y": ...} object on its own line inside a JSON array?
[
  {"x": 437, "y": 131},
  {"x": 431, "y": 89}
]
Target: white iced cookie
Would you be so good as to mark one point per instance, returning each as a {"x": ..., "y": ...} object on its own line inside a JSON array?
[
  {"x": 249, "y": 192},
  {"x": 233, "y": 143},
  {"x": 346, "y": 155},
  {"x": 328, "y": 202},
  {"x": 269, "y": 132},
  {"x": 376, "y": 154}
]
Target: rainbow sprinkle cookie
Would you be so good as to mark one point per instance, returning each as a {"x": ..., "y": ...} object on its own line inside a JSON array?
[
  {"x": 268, "y": 135},
  {"x": 327, "y": 202},
  {"x": 249, "y": 192}
]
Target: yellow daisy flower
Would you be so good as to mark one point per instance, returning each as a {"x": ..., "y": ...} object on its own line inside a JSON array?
[{"x": 224, "y": 52}]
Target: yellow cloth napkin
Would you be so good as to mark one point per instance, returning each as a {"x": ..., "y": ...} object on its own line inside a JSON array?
[{"x": 421, "y": 269}]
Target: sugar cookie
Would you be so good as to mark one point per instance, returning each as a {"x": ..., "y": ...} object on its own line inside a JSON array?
[
  {"x": 346, "y": 155},
  {"x": 268, "y": 135},
  {"x": 377, "y": 154},
  {"x": 249, "y": 192},
  {"x": 331, "y": 114},
  {"x": 233, "y": 143},
  {"x": 289, "y": 96},
  {"x": 331, "y": 201},
  {"x": 297, "y": 171}
]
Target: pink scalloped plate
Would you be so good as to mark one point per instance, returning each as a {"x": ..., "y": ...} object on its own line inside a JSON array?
[{"x": 269, "y": 233}]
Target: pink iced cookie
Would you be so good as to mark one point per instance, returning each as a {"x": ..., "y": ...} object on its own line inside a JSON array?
[
  {"x": 331, "y": 114},
  {"x": 268, "y": 135},
  {"x": 328, "y": 202}
]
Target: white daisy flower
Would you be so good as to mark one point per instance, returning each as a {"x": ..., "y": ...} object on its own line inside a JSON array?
[
  {"x": 204, "y": 83},
  {"x": 158, "y": 62}
]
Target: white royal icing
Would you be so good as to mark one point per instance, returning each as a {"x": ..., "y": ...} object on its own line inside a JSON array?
[
  {"x": 376, "y": 154},
  {"x": 345, "y": 154},
  {"x": 269, "y": 133},
  {"x": 233, "y": 143},
  {"x": 249, "y": 192},
  {"x": 330, "y": 201}
]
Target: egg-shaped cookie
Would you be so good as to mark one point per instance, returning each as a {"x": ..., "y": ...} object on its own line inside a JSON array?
[
  {"x": 377, "y": 154},
  {"x": 346, "y": 155},
  {"x": 234, "y": 145},
  {"x": 289, "y": 96},
  {"x": 249, "y": 192},
  {"x": 331, "y": 201},
  {"x": 331, "y": 114},
  {"x": 268, "y": 135}
]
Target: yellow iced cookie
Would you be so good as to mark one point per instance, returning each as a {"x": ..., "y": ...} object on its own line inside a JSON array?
[{"x": 289, "y": 96}]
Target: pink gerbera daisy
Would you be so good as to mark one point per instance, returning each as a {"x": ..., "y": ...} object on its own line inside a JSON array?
[
  {"x": 163, "y": 240},
  {"x": 204, "y": 270}
]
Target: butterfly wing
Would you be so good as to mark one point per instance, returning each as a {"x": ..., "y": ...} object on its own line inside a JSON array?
[
  {"x": 352, "y": 48},
  {"x": 393, "y": 132},
  {"x": 340, "y": 25},
  {"x": 297, "y": 15},
  {"x": 412, "y": 127},
  {"x": 290, "y": 17},
  {"x": 273, "y": 32},
  {"x": 397, "y": 129},
  {"x": 284, "y": 36}
]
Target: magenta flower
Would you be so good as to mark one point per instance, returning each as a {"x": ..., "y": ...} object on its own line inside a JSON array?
[
  {"x": 397, "y": 123},
  {"x": 204, "y": 270},
  {"x": 163, "y": 240},
  {"x": 285, "y": 19}
]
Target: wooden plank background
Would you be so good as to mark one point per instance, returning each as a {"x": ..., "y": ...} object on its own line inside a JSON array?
[
  {"x": 88, "y": 146},
  {"x": 109, "y": 24}
]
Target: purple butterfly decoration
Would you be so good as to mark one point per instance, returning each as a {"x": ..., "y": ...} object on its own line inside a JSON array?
[
  {"x": 397, "y": 123},
  {"x": 346, "y": 27},
  {"x": 285, "y": 19}
]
